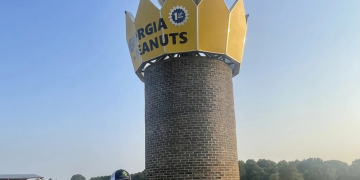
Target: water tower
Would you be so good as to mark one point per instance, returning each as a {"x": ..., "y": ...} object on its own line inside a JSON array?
[{"x": 187, "y": 53}]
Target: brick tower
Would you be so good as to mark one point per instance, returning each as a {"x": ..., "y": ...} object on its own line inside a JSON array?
[{"x": 187, "y": 56}]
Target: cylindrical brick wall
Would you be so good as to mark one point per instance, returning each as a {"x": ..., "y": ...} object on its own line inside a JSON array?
[{"x": 190, "y": 121}]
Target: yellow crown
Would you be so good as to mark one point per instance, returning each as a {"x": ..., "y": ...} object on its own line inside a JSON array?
[{"x": 182, "y": 26}]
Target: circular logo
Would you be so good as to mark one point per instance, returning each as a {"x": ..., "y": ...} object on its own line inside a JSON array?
[{"x": 178, "y": 15}]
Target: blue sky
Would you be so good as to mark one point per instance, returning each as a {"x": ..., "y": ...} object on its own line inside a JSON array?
[{"x": 71, "y": 103}]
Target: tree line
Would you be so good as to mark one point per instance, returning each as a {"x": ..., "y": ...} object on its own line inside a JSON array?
[{"x": 307, "y": 169}]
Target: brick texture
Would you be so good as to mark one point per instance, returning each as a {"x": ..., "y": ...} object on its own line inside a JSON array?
[{"x": 190, "y": 121}]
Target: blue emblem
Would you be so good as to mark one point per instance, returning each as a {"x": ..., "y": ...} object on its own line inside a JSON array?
[{"x": 178, "y": 15}]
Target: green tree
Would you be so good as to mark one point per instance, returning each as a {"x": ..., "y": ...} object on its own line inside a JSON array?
[
  {"x": 77, "y": 177},
  {"x": 274, "y": 176},
  {"x": 294, "y": 163},
  {"x": 138, "y": 176},
  {"x": 242, "y": 170},
  {"x": 348, "y": 177},
  {"x": 288, "y": 171},
  {"x": 269, "y": 167},
  {"x": 253, "y": 171},
  {"x": 307, "y": 164},
  {"x": 355, "y": 168},
  {"x": 320, "y": 172},
  {"x": 340, "y": 168}
]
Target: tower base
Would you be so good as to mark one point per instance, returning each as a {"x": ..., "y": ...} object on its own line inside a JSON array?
[{"x": 190, "y": 124}]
